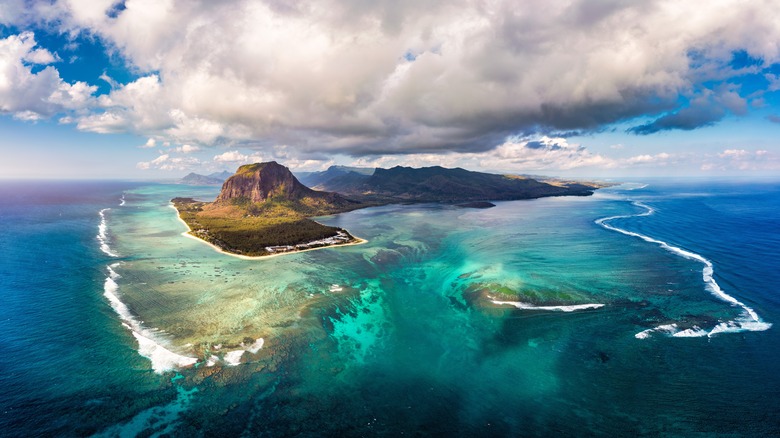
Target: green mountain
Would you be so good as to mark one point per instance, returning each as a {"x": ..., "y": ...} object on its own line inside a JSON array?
[
  {"x": 263, "y": 209},
  {"x": 337, "y": 178},
  {"x": 439, "y": 184}
]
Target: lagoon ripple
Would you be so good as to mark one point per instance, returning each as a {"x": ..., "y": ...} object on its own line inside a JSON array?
[{"x": 447, "y": 321}]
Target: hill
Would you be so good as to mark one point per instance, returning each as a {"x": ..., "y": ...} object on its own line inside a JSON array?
[
  {"x": 196, "y": 179},
  {"x": 263, "y": 209},
  {"x": 222, "y": 176},
  {"x": 439, "y": 184},
  {"x": 212, "y": 179},
  {"x": 337, "y": 178}
]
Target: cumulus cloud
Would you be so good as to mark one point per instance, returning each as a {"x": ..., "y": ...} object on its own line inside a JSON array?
[
  {"x": 169, "y": 162},
  {"x": 743, "y": 160},
  {"x": 237, "y": 157},
  {"x": 661, "y": 158},
  {"x": 32, "y": 95},
  {"x": 388, "y": 77},
  {"x": 187, "y": 149},
  {"x": 514, "y": 155}
]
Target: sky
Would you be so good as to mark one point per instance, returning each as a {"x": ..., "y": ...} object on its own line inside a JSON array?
[{"x": 150, "y": 89}]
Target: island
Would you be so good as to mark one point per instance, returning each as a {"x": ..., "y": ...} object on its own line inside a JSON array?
[
  {"x": 265, "y": 210},
  {"x": 213, "y": 179}
]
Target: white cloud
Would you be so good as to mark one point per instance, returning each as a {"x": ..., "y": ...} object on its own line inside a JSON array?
[
  {"x": 150, "y": 143},
  {"x": 169, "y": 162},
  {"x": 743, "y": 160},
  {"x": 734, "y": 153},
  {"x": 28, "y": 116},
  {"x": 333, "y": 76},
  {"x": 40, "y": 56},
  {"x": 187, "y": 149},
  {"x": 514, "y": 155},
  {"x": 661, "y": 158},
  {"x": 230, "y": 157},
  {"x": 545, "y": 153},
  {"x": 32, "y": 96},
  {"x": 103, "y": 123},
  {"x": 161, "y": 159},
  {"x": 237, "y": 157}
]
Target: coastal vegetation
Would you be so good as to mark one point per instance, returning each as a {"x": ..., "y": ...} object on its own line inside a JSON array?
[
  {"x": 264, "y": 210},
  {"x": 439, "y": 184},
  {"x": 260, "y": 231}
]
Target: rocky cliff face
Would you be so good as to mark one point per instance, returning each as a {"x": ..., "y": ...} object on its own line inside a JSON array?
[
  {"x": 273, "y": 184},
  {"x": 261, "y": 181}
]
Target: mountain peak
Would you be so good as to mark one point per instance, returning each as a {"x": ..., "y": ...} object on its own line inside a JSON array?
[
  {"x": 193, "y": 178},
  {"x": 260, "y": 182}
]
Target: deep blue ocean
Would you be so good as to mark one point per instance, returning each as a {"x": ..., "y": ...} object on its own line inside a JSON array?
[{"x": 650, "y": 309}]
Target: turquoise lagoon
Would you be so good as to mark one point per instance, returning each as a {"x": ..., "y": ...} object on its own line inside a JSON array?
[{"x": 532, "y": 318}]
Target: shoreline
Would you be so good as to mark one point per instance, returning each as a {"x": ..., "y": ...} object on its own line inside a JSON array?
[{"x": 358, "y": 241}]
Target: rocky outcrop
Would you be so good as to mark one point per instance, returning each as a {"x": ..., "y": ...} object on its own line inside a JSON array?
[
  {"x": 255, "y": 185},
  {"x": 260, "y": 182}
]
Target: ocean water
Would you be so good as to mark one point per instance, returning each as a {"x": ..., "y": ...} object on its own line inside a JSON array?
[{"x": 650, "y": 308}]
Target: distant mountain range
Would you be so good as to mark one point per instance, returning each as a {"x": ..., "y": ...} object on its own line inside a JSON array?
[
  {"x": 436, "y": 184},
  {"x": 212, "y": 179}
]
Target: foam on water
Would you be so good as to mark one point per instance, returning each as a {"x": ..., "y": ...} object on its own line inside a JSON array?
[
  {"x": 102, "y": 235},
  {"x": 255, "y": 346},
  {"x": 693, "y": 332},
  {"x": 233, "y": 358},
  {"x": 526, "y": 306},
  {"x": 122, "y": 200},
  {"x": 149, "y": 344},
  {"x": 750, "y": 321},
  {"x": 162, "y": 358}
]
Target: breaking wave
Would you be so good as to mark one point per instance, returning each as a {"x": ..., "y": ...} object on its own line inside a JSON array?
[
  {"x": 102, "y": 235},
  {"x": 149, "y": 344},
  {"x": 526, "y": 306},
  {"x": 748, "y": 321}
]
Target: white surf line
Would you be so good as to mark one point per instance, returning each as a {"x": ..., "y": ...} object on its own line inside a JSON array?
[
  {"x": 149, "y": 345},
  {"x": 102, "y": 235},
  {"x": 752, "y": 322},
  {"x": 122, "y": 200},
  {"x": 526, "y": 306}
]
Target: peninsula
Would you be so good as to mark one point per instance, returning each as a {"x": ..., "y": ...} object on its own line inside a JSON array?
[{"x": 264, "y": 210}]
